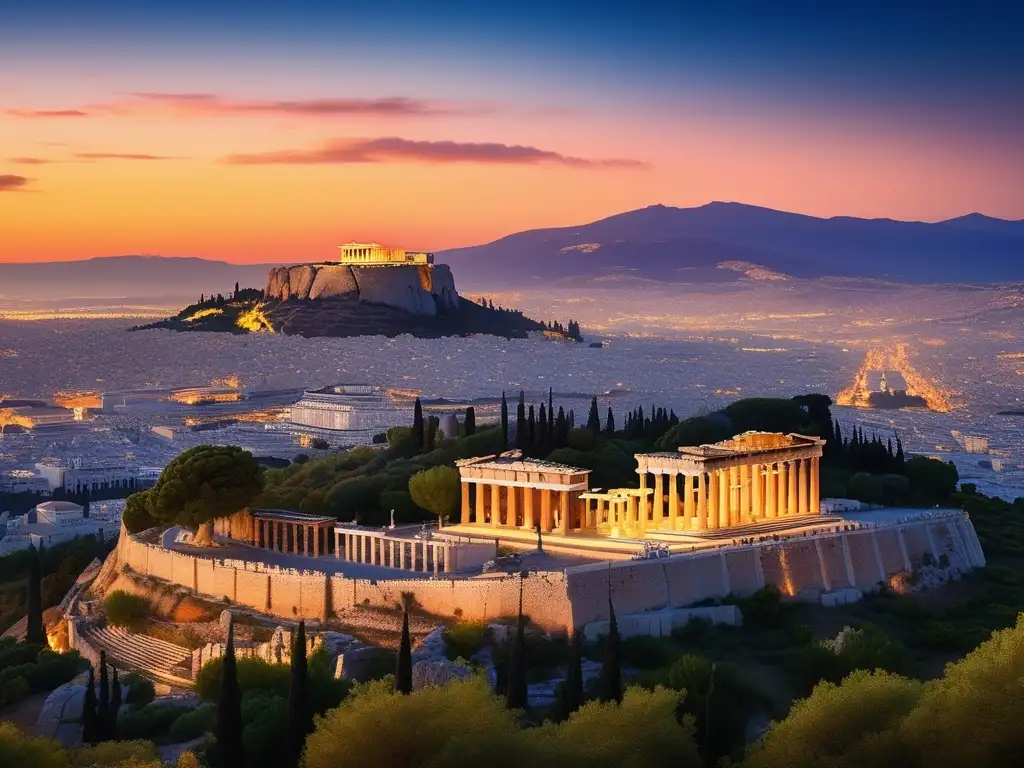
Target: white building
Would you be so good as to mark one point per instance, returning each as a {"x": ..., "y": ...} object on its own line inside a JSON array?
[
  {"x": 53, "y": 522},
  {"x": 74, "y": 476},
  {"x": 346, "y": 414}
]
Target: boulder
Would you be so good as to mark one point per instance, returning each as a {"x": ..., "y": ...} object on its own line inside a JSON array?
[
  {"x": 275, "y": 279},
  {"x": 400, "y": 287},
  {"x": 437, "y": 672},
  {"x": 334, "y": 281},
  {"x": 225, "y": 622},
  {"x": 431, "y": 648},
  {"x": 300, "y": 280}
]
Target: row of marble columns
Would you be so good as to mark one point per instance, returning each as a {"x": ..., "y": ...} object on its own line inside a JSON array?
[
  {"x": 291, "y": 537},
  {"x": 510, "y": 506},
  {"x": 390, "y": 552},
  {"x": 721, "y": 498}
]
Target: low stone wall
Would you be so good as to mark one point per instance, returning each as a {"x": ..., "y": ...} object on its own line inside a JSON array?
[{"x": 809, "y": 566}]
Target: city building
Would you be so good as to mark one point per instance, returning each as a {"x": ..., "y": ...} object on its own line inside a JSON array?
[
  {"x": 751, "y": 478},
  {"x": 375, "y": 254},
  {"x": 74, "y": 476},
  {"x": 345, "y": 414},
  {"x": 41, "y": 416},
  {"x": 51, "y": 523}
]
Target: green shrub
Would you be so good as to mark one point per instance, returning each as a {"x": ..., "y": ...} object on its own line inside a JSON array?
[
  {"x": 193, "y": 724},
  {"x": 644, "y": 652},
  {"x": 465, "y": 639},
  {"x": 265, "y": 722},
  {"x": 53, "y": 669},
  {"x": 149, "y": 722},
  {"x": 140, "y": 690},
  {"x": 124, "y": 754},
  {"x": 253, "y": 675},
  {"x": 14, "y": 690},
  {"x": 125, "y": 610}
]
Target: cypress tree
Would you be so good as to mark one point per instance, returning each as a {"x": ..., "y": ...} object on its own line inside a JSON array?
[
  {"x": 574, "y": 676},
  {"x": 85, "y": 502},
  {"x": 35, "y": 634},
  {"x": 515, "y": 695},
  {"x": 300, "y": 710},
  {"x": 531, "y": 432},
  {"x": 236, "y": 290},
  {"x": 403, "y": 664},
  {"x": 521, "y": 435},
  {"x": 418, "y": 431},
  {"x": 504, "y": 422},
  {"x": 103, "y": 708},
  {"x": 594, "y": 418},
  {"x": 470, "y": 421},
  {"x": 611, "y": 670},
  {"x": 89, "y": 735},
  {"x": 115, "y": 706},
  {"x": 609, "y": 424},
  {"x": 900, "y": 458},
  {"x": 561, "y": 429},
  {"x": 229, "y": 752},
  {"x": 543, "y": 437},
  {"x": 551, "y": 413}
]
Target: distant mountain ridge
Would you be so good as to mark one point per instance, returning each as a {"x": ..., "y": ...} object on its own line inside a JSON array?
[{"x": 688, "y": 245}]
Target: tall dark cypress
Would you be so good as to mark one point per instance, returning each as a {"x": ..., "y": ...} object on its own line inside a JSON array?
[
  {"x": 403, "y": 664},
  {"x": 594, "y": 418},
  {"x": 89, "y": 735},
  {"x": 35, "y": 634},
  {"x": 611, "y": 670},
  {"x": 551, "y": 413},
  {"x": 229, "y": 752},
  {"x": 515, "y": 695},
  {"x": 531, "y": 432},
  {"x": 521, "y": 434},
  {"x": 609, "y": 425},
  {"x": 573, "y": 692},
  {"x": 103, "y": 708},
  {"x": 561, "y": 429},
  {"x": 470, "y": 421},
  {"x": 504, "y": 422},
  {"x": 900, "y": 458},
  {"x": 543, "y": 438},
  {"x": 419, "y": 437},
  {"x": 300, "y": 707},
  {"x": 115, "y": 706}
]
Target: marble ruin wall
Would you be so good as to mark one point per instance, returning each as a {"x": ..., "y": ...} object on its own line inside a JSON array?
[
  {"x": 861, "y": 558},
  {"x": 413, "y": 288}
]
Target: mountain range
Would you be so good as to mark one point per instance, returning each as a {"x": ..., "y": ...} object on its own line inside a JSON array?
[
  {"x": 722, "y": 242},
  {"x": 713, "y": 243}
]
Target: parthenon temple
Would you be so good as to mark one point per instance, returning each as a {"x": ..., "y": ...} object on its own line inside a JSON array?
[
  {"x": 752, "y": 477},
  {"x": 375, "y": 254},
  {"x": 292, "y": 532}
]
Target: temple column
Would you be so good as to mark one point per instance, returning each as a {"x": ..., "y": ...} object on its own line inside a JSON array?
[
  {"x": 659, "y": 500},
  {"x": 803, "y": 487},
  {"x": 781, "y": 490},
  {"x": 746, "y": 478},
  {"x": 734, "y": 495},
  {"x": 688, "y": 505},
  {"x": 770, "y": 482},
  {"x": 673, "y": 500},
  {"x": 791, "y": 494},
  {"x": 528, "y": 521},
  {"x": 724, "y": 518},
  {"x": 563, "y": 519},
  {"x": 545, "y": 510},
  {"x": 711, "y": 487},
  {"x": 435, "y": 548},
  {"x": 401, "y": 555},
  {"x": 447, "y": 559},
  {"x": 756, "y": 500},
  {"x": 511, "y": 511},
  {"x": 495, "y": 506},
  {"x": 815, "y": 501},
  {"x": 643, "y": 506},
  {"x": 481, "y": 517},
  {"x": 465, "y": 504}
]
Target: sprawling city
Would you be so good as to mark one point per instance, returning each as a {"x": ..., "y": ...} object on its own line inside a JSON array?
[{"x": 431, "y": 408}]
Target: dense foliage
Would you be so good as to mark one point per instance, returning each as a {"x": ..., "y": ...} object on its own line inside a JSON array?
[{"x": 26, "y": 669}]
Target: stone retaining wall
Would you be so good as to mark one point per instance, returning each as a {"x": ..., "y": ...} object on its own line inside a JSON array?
[{"x": 805, "y": 566}]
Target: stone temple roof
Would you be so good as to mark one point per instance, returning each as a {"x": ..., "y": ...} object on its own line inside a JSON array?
[
  {"x": 287, "y": 516},
  {"x": 746, "y": 444},
  {"x": 514, "y": 461}
]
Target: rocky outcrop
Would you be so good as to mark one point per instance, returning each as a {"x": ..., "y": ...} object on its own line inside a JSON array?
[{"x": 417, "y": 289}]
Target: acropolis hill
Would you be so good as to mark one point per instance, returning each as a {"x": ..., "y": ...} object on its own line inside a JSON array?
[{"x": 371, "y": 289}]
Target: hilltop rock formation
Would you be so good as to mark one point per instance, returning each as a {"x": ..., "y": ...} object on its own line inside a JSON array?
[{"x": 417, "y": 289}]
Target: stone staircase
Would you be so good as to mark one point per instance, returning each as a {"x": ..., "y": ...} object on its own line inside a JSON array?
[{"x": 154, "y": 658}]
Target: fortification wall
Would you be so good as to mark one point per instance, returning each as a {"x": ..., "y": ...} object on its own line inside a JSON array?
[{"x": 860, "y": 558}]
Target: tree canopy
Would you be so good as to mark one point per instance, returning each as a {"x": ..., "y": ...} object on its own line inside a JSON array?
[{"x": 437, "y": 490}]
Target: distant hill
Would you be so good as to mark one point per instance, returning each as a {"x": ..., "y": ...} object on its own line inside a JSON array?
[
  {"x": 725, "y": 242},
  {"x": 133, "y": 277}
]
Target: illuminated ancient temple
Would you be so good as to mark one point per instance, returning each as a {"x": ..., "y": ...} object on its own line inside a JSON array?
[
  {"x": 753, "y": 477},
  {"x": 375, "y": 254}
]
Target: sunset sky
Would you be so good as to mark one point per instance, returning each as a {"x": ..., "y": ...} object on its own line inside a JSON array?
[{"x": 254, "y": 131}]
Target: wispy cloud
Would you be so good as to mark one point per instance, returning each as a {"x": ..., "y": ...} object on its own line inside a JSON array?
[
  {"x": 213, "y": 105},
  {"x": 29, "y": 160},
  {"x": 390, "y": 150},
  {"x": 122, "y": 156},
  {"x": 11, "y": 183}
]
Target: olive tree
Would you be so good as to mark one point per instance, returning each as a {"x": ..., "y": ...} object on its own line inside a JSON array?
[{"x": 436, "y": 490}]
